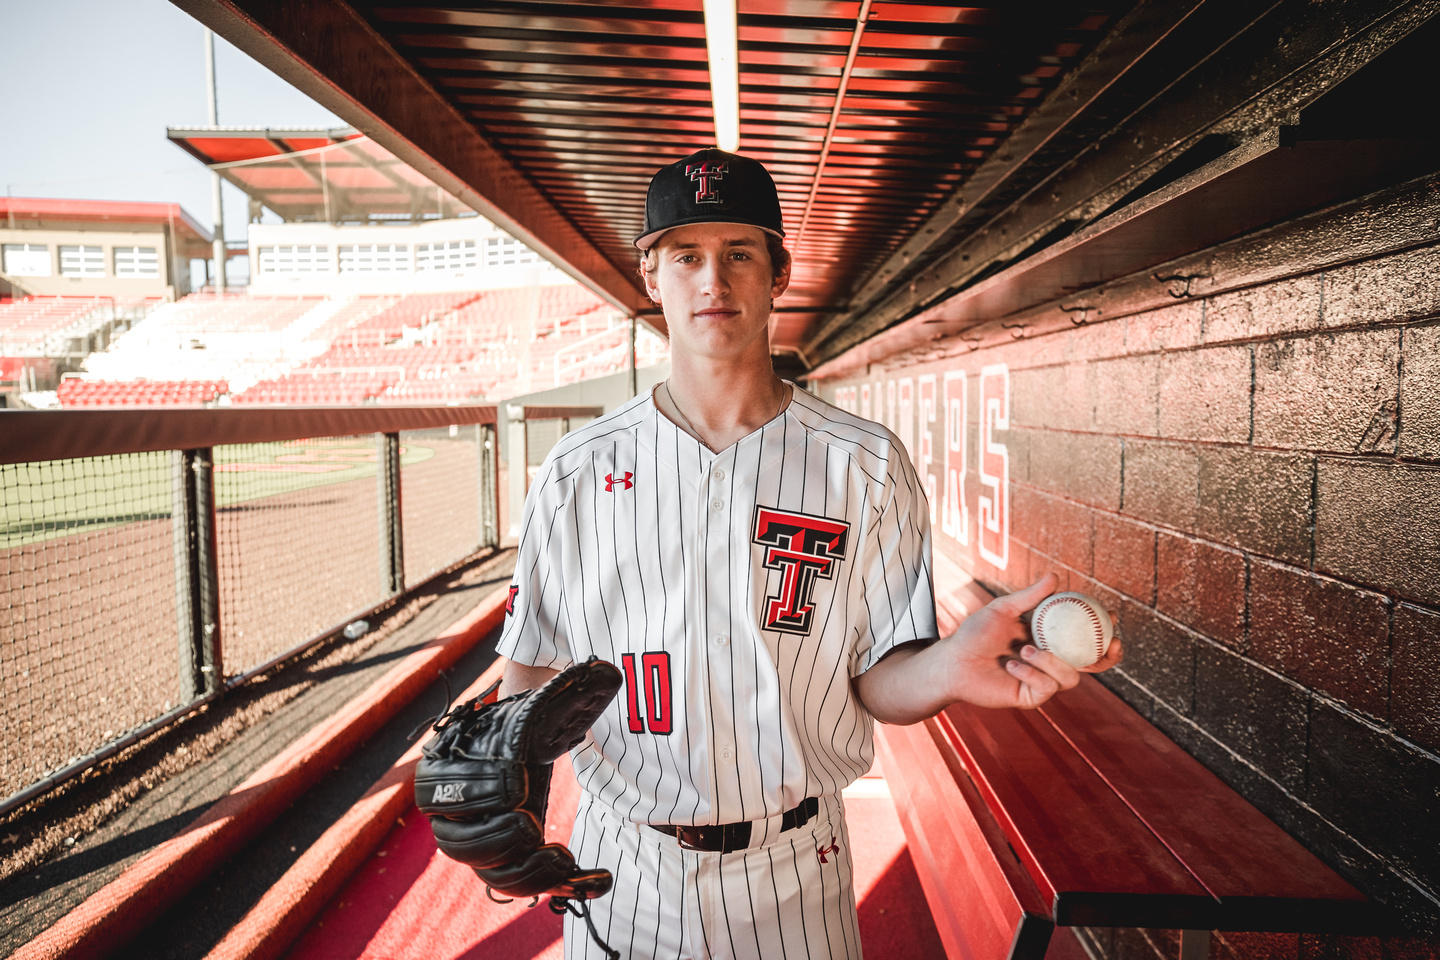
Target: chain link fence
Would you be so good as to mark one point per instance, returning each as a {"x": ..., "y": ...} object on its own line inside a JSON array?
[
  {"x": 87, "y": 620},
  {"x": 297, "y": 543},
  {"x": 137, "y": 585},
  {"x": 439, "y": 475}
]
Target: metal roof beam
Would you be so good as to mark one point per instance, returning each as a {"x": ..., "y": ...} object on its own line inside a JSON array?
[
  {"x": 413, "y": 191},
  {"x": 1130, "y": 40},
  {"x": 1230, "y": 66},
  {"x": 337, "y": 199},
  {"x": 329, "y": 52}
]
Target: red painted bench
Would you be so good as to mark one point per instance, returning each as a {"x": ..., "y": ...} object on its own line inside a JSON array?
[{"x": 1083, "y": 814}]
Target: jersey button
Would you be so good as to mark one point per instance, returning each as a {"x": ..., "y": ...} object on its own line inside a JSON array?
[
  {"x": 721, "y": 640},
  {"x": 717, "y": 505},
  {"x": 719, "y": 474},
  {"x": 726, "y": 754}
]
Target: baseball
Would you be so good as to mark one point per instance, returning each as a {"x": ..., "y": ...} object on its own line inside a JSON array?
[{"x": 1074, "y": 627}]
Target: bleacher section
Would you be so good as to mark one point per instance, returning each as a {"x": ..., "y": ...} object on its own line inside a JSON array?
[
  {"x": 320, "y": 387},
  {"x": 74, "y": 392},
  {"x": 421, "y": 348},
  {"x": 26, "y": 324},
  {"x": 209, "y": 314},
  {"x": 416, "y": 311},
  {"x": 234, "y": 338},
  {"x": 451, "y": 348},
  {"x": 349, "y": 315}
]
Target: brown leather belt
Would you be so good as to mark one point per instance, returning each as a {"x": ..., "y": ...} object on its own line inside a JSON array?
[{"x": 728, "y": 837}]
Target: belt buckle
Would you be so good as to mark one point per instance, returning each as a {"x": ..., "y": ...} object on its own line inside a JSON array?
[
  {"x": 716, "y": 838},
  {"x": 728, "y": 837}
]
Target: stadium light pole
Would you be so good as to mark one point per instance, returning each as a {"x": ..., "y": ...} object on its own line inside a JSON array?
[
  {"x": 723, "y": 49},
  {"x": 217, "y": 247}
]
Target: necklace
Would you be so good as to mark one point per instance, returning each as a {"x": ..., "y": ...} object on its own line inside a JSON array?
[{"x": 691, "y": 427}]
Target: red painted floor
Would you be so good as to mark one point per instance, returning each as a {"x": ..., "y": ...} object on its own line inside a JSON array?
[{"x": 410, "y": 903}]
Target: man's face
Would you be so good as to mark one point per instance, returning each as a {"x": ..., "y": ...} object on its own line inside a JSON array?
[{"x": 714, "y": 282}]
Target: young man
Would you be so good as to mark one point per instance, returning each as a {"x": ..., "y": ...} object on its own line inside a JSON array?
[{"x": 757, "y": 563}]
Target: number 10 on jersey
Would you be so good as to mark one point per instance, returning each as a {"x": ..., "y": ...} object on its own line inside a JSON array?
[{"x": 650, "y": 682}]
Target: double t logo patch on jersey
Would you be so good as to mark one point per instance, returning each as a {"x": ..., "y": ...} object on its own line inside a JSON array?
[{"x": 804, "y": 549}]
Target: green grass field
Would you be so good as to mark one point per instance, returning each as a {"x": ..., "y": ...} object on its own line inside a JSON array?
[{"x": 42, "y": 501}]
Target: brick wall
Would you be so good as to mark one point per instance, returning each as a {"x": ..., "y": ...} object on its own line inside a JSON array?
[{"x": 1250, "y": 480}]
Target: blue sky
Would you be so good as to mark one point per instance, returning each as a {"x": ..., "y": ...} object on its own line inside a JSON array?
[{"x": 91, "y": 85}]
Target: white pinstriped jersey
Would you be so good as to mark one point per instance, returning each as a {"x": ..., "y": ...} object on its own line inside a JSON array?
[{"x": 739, "y": 593}]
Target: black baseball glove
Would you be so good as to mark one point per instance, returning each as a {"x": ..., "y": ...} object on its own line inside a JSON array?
[{"x": 484, "y": 779}]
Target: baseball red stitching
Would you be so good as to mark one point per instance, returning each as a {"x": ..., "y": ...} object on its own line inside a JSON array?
[{"x": 1089, "y": 612}]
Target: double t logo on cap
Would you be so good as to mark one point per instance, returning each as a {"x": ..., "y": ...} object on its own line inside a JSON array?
[
  {"x": 710, "y": 186},
  {"x": 706, "y": 174}
]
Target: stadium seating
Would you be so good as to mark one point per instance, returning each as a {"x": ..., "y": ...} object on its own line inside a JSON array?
[
  {"x": 209, "y": 314},
  {"x": 27, "y": 323},
  {"x": 350, "y": 315},
  {"x": 320, "y": 387},
  {"x": 233, "y": 338},
  {"x": 416, "y": 310},
  {"x": 75, "y": 392},
  {"x": 418, "y": 348}
]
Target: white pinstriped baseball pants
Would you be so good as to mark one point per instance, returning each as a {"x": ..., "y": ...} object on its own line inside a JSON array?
[{"x": 793, "y": 898}]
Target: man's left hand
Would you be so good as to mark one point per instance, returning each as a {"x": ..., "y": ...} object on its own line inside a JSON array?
[
  {"x": 990, "y": 661},
  {"x": 994, "y": 663}
]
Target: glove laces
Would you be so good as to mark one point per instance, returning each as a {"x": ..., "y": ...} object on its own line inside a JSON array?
[
  {"x": 439, "y": 720},
  {"x": 562, "y": 906}
]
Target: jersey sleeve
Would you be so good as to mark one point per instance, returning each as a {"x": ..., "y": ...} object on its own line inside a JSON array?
[
  {"x": 536, "y": 613},
  {"x": 896, "y": 567}
]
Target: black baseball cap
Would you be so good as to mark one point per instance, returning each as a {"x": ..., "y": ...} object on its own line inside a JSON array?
[{"x": 710, "y": 186}]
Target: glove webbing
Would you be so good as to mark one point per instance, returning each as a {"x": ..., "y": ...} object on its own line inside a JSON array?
[{"x": 562, "y": 906}]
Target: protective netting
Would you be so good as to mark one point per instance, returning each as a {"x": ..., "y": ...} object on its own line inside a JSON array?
[
  {"x": 89, "y": 627},
  {"x": 298, "y": 537},
  {"x": 88, "y": 638},
  {"x": 541, "y": 437},
  {"x": 440, "y": 499}
]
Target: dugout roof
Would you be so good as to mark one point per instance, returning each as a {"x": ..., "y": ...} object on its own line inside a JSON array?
[
  {"x": 317, "y": 174},
  {"x": 924, "y": 150}
]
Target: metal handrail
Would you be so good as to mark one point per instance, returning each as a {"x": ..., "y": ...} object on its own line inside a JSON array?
[{"x": 27, "y": 436}]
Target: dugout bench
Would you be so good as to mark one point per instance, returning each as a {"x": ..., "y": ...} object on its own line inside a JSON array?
[{"x": 1082, "y": 813}]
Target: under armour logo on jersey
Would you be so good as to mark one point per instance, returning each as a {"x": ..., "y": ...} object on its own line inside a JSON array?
[
  {"x": 611, "y": 480},
  {"x": 449, "y": 793},
  {"x": 707, "y": 174},
  {"x": 510, "y": 600},
  {"x": 821, "y": 851},
  {"x": 804, "y": 549}
]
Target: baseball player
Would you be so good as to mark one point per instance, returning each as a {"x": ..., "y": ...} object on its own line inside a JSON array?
[{"x": 756, "y": 563}]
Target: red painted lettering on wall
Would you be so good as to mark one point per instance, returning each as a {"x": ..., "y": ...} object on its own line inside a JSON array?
[
  {"x": 994, "y": 465},
  {"x": 905, "y": 428},
  {"x": 925, "y": 442},
  {"x": 955, "y": 516}
]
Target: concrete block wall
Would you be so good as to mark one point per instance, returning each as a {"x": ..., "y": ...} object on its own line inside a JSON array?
[{"x": 1251, "y": 481}]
